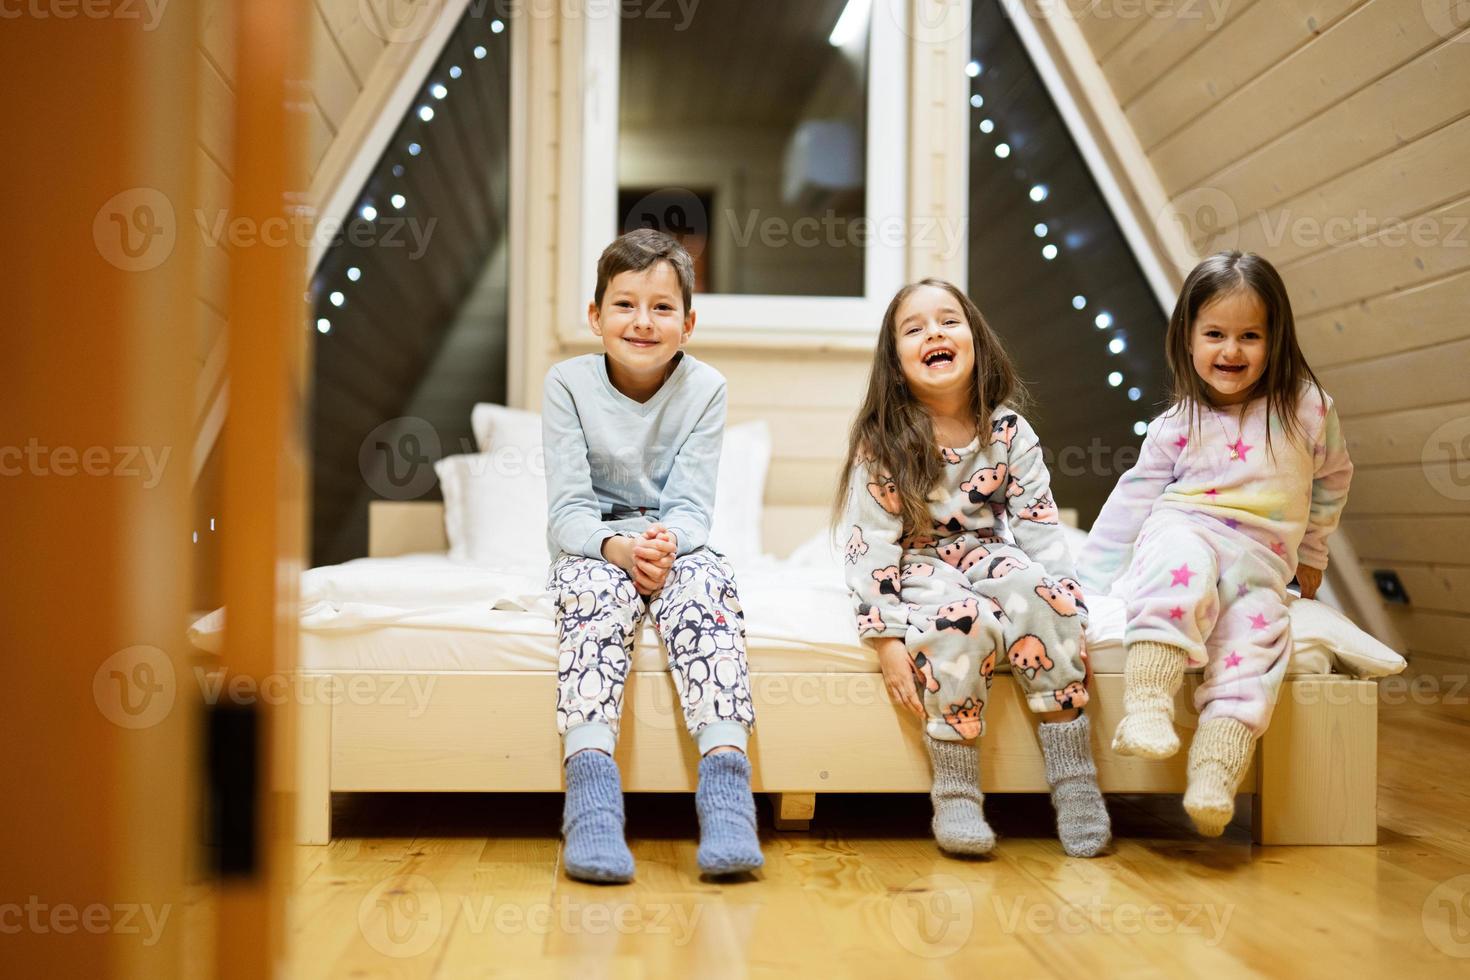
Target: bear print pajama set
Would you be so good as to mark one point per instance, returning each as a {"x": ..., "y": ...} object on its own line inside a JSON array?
[
  {"x": 991, "y": 577},
  {"x": 1215, "y": 518},
  {"x": 616, "y": 466}
]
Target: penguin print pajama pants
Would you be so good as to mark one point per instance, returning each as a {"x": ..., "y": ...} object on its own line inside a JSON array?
[
  {"x": 698, "y": 616},
  {"x": 1219, "y": 595},
  {"x": 972, "y": 601}
]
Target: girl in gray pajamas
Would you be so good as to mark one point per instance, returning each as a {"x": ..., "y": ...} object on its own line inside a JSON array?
[{"x": 956, "y": 559}]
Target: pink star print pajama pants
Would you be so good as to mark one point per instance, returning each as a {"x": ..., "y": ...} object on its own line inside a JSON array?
[{"x": 1200, "y": 585}]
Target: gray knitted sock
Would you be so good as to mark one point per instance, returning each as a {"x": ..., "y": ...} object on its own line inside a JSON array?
[
  {"x": 727, "y": 839},
  {"x": 959, "y": 816},
  {"x": 592, "y": 821},
  {"x": 1082, "y": 817}
]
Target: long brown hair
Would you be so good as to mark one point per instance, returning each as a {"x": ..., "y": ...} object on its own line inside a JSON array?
[
  {"x": 1286, "y": 370},
  {"x": 895, "y": 431}
]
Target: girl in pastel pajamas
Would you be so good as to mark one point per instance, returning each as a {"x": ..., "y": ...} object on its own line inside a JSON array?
[
  {"x": 1237, "y": 487},
  {"x": 955, "y": 559}
]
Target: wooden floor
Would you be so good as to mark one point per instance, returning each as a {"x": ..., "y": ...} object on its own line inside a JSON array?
[{"x": 469, "y": 886}]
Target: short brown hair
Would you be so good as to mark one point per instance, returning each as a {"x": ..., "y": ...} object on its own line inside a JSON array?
[{"x": 639, "y": 249}]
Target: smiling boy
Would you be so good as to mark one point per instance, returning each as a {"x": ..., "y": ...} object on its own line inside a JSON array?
[{"x": 632, "y": 439}]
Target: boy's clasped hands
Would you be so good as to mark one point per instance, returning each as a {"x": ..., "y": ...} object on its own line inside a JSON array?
[{"x": 647, "y": 557}]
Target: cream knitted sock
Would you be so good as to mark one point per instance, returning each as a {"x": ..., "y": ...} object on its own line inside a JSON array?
[
  {"x": 1218, "y": 757},
  {"x": 1151, "y": 677}
]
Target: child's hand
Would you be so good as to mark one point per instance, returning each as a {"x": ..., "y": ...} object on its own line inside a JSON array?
[
  {"x": 898, "y": 674},
  {"x": 653, "y": 555},
  {"x": 618, "y": 549},
  {"x": 1310, "y": 580}
]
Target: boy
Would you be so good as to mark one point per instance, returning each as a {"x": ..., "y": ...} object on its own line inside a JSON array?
[{"x": 632, "y": 441}]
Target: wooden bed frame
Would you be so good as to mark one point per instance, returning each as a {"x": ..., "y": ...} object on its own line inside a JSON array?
[{"x": 1314, "y": 777}]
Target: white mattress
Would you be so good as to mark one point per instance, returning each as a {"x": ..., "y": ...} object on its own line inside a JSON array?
[{"x": 427, "y": 613}]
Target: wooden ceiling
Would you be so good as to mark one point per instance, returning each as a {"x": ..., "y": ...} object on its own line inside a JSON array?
[
  {"x": 417, "y": 264},
  {"x": 1062, "y": 355}
]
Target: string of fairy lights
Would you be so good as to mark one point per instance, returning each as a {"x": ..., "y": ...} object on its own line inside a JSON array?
[
  {"x": 1047, "y": 232},
  {"x": 435, "y": 90}
]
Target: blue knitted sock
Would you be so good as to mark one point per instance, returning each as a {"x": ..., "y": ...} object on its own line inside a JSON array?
[
  {"x": 727, "y": 840},
  {"x": 592, "y": 821}
]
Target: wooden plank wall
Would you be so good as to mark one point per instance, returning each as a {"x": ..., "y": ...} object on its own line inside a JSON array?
[
  {"x": 346, "y": 42},
  {"x": 1333, "y": 136},
  {"x": 344, "y": 48}
]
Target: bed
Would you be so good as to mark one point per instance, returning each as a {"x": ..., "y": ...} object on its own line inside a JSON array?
[{"x": 423, "y": 668}]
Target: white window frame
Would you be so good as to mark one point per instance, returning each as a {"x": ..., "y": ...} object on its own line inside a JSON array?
[{"x": 740, "y": 319}]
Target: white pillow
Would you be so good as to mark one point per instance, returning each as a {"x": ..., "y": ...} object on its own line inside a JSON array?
[
  {"x": 494, "y": 509},
  {"x": 1354, "y": 651},
  {"x": 497, "y": 425},
  {"x": 740, "y": 491},
  {"x": 745, "y": 458}
]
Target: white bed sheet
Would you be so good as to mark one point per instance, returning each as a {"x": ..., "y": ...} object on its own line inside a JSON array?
[{"x": 426, "y": 612}]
